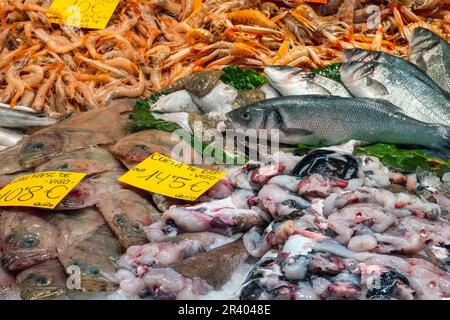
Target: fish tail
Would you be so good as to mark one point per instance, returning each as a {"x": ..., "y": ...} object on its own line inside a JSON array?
[{"x": 443, "y": 141}]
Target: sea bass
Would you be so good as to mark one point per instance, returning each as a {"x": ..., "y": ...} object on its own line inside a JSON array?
[
  {"x": 432, "y": 54},
  {"x": 330, "y": 120},
  {"x": 358, "y": 54},
  {"x": 396, "y": 85},
  {"x": 290, "y": 81}
]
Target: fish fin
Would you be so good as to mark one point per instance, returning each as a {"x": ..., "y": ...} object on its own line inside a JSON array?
[
  {"x": 390, "y": 106},
  {"x": 377, "y": 86},
  {"x": 298, "y": 131}
]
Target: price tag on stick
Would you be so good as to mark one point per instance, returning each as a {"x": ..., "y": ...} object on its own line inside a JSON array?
[
  {"x": 93, "y": 14},
  {"x": 163, "y": 175},
  {"x": 41, "y": 190}
]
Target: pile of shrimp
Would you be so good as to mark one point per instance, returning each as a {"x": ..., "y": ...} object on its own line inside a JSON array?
[{"x": 149, "y": 44}]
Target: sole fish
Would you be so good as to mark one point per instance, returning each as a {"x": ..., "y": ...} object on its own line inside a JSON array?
[
  {"x": 217, "y": 265},
  {"x": 43, "y": 281},
  {"x": 96, "y": 258},
  {"x": 26, "y": 238}
]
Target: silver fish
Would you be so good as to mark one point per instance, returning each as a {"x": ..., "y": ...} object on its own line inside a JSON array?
[
  {"x": 10, "y": 138},
  {"x": 432, "y": 54},
  {"x": 410, "y": 94},
  {"x": 358, "y": 54},
  {"x": 12, "y": 118},
  {"x": 290, "y": 81},
  {"x": 330, "y": 120}
]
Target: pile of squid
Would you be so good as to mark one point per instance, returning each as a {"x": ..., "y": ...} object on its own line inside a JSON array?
[
  {"x": 327, "y": 225},
  {"x": 148, "y": 45}
]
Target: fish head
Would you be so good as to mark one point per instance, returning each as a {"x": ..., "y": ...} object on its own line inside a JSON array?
[
  {"x": 27, "y": 245},
  {"x": 356, "y": 71},
  {"x": 246, "y": 118},
  {"x": 39, "y": 148},
  {"x": 423, "y": 44},
  {"x": 129, "y": 232},
  {"x": 44, "y": 281},
  {"x": 96, "y": 273},
  {"x": 423, "y": 39},
  {"x": 358, "y": 54},
  {"x": 283, "y": 75}
]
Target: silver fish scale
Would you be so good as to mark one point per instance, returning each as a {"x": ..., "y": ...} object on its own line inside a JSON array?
[
  {"x": 416, "y": 99},
  {"x": 383, "y": 81},
  {"x": 432, "y": 54},
  {"x": 333, "y": 120}
]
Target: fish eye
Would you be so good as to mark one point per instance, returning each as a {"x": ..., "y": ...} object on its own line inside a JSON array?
[
  {"x": 120, "y": 220},
  {"x": 136, "y": 227},
  {"x": 11, "y": 238},
  {"x": 29, "y": 278},
  {"x": 29, "y": 240},
  {"x": 43, "y": 281},
  {"x": 65, "y": 166},
  {"x": 77, "y": 263},
  {"x": 94, "y": 271},
  {"x": 245, "y": 115}
]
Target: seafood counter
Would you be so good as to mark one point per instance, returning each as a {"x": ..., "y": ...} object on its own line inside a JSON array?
[
  {"x": 326, "y": 225},
  {"x": 350, "y": 199}
]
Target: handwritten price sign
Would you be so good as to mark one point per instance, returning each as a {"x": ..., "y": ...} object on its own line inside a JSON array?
[
  {"x": 93, "y": 14},
  {"x": 41, "y": 190},
  {"x": 163, "y": 175}
]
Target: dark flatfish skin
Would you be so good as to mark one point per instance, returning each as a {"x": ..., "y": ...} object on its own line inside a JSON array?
[
  {"x": 96, "y": 257},
  {"x": 95, "y": 127},
  {"x": 126, "y": 213},
  {"x": 10, "y": 160},
  {"x": 7, "y": 281},
  {"x": 215, "y": 266},
  {"x": 26, "y": 237},
  {"x": 7, "y": 178},
  {"x": 75, "y": 225},
  {"x": 90, "y": 160},
  {"x": 201, "y": 83},
  {"x": 42, "y": 281},
  {"x": 135, "y": 148},
  {"x": 90, "y": 190}
]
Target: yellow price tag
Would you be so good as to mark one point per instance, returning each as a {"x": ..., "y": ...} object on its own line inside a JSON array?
[
  {"x": 92, "y": 14},
  {"x": 42, "y": 189},
  {"x": 163, "y": 175}
]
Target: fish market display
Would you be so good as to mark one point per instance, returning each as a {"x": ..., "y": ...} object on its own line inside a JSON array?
[
  {"x": 347, "y": 197},
  {"x": 148, "y": 45}
]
